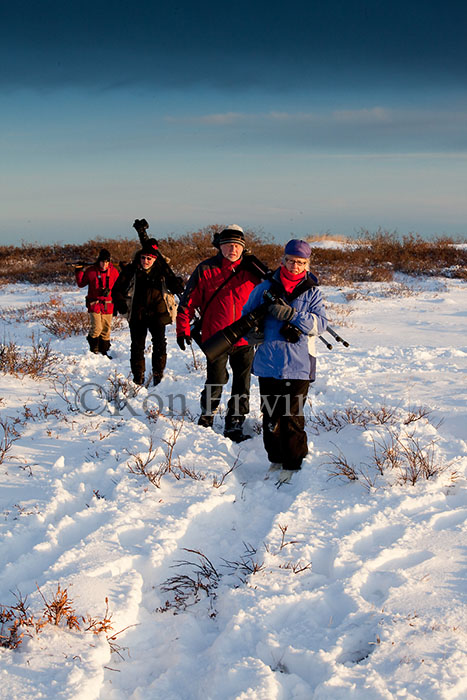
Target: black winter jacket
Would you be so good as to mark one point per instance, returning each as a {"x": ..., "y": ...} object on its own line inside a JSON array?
[{"x": 137, "y": 293}]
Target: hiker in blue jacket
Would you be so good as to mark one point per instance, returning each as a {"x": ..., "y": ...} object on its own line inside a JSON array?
[{"x": 285, "y": 361}]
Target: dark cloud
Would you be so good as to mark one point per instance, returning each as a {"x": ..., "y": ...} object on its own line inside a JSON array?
[{"x": 228, "y": 45}]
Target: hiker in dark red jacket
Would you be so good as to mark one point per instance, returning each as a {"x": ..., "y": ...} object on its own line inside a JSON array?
[
  {"x": 218, "y": 289},
  {"x": 99, "y": 279}
]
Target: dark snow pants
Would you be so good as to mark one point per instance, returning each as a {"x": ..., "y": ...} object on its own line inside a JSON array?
[
  {"x": 138, "y": 333},
  {"x": 240, "y": 359},
  {"x": 284, "y": 436}
]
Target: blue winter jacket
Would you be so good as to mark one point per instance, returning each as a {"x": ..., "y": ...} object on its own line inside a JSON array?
[{"x": 278, "y": 358}]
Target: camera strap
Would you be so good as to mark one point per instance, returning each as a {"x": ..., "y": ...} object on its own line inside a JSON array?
[
  {"x": 211, "y": 298},
  {"x": 301, "y": 287},
  {"x": 102, "y": 284}
]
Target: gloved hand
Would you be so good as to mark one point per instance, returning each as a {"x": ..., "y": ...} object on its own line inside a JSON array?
[
  {"x": 281, "y": 311},
  {"x": 182, "y": 339}
]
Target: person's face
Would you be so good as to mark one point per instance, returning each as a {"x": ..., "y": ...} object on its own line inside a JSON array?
[
  {"x": 104, "y": 264},
  {"x": 231, "y": 251},
  {"x": 294, "y": 264},
  {"x": 146, "y": 261}
]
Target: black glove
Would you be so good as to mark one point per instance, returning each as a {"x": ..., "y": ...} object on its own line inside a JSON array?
[
  {"x": 182, "y": 339},
  {"x": 282, "y": 311}
]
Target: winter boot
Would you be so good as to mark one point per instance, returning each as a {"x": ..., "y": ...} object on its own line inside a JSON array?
[
  {"x": 206, "y": 420},
  {"x": 93, "y": 344},
  {"x": 233, "y": 430},
  {"x": 285, "y": 477},
  {"x": 156, "y": 379},
  {"x": 138, "y": 370},
  {"x": 158, "y": 366},
  {"x": 274, "y": 467},
  {"x": 104, "y": 346}
]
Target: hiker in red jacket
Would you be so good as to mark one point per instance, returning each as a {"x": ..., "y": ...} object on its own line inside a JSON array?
[
  {"x": 218, "y": 289},
  {"x": 99, "y": 279}
]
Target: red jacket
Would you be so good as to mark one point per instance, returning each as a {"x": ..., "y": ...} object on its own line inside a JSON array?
[
  {"x": 96, "y": 281},
  {"x": 226, "y": 306}
]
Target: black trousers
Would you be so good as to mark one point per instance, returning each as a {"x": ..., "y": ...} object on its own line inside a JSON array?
[
  {"x": 284, "y": 436},
  {"x": 240, "y": 360},
  {"x": 138, "y": 333}
]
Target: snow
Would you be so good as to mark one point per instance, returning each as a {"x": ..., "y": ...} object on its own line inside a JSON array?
[
  {"x": 326, "y": 588},
  {"x": 334, "y": 243}
]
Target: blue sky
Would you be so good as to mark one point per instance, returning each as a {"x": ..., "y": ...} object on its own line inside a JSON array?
[{"x": 293, "y": 118}]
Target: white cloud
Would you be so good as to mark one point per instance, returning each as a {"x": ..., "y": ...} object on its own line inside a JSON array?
[
  {"x": 220, "y": 119},
  {"x": 362, "y": 116}
]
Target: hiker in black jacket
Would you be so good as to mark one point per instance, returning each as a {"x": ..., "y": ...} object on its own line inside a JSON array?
[{"x": 140, "y": 294}]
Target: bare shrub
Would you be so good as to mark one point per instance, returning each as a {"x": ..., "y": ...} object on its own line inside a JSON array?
[
  {"x": 342, "y": 468},
  {"x": 16, "y": 620},
  {"x": 326, "y": 421},
  {"x": 338, "y": 314},
  {"x": 374, "y": 257},
  {"x": 56, "y": 320},
  {"x": 141, "y": 466},
  {"x": 405, "y": 455},
  {"x": 98, "y": 625},
  {"x": 416, "y": 414},
  {"x": 283, "y": 529},
  {"x": 59, "y": 608},
  {"x": 246, "y": 566},
  {"x": 219, "y": 482},
  {"x": 402, "y": 455},
  {"x": 120, "y": 389},
  {"x": 64, "y": 324},
  {"x": 297, "y": 567},
  {"x": 351, "y": 415},
  {"x": 39, "y": 362},
  {"x": 62, "y": 386},
  {"x": 418, "y": 461},
  {"x": 43, "y": 412},
  {"x": 10, "y": 435},
  {"x": 186, "y": 590}
]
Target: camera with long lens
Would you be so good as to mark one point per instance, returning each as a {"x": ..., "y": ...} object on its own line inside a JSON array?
[
  {"x": 140, "y": 224},
  {"x": 224, "y": 339}
]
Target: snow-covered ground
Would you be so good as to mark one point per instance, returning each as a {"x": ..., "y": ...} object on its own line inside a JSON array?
[{"x": 220, "y": 585}]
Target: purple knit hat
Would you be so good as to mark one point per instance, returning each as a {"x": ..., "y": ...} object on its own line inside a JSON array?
[{"x": 300, "y": 249}]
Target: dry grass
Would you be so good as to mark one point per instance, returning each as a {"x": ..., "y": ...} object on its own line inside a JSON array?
[
  {"x": 16, "y": 620},
  {"x": 39, "y": 362},
  {"x": 400, "y": 458},
  {"x": 374, "y": 257},
  {"x": 52, "y": 316}
]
